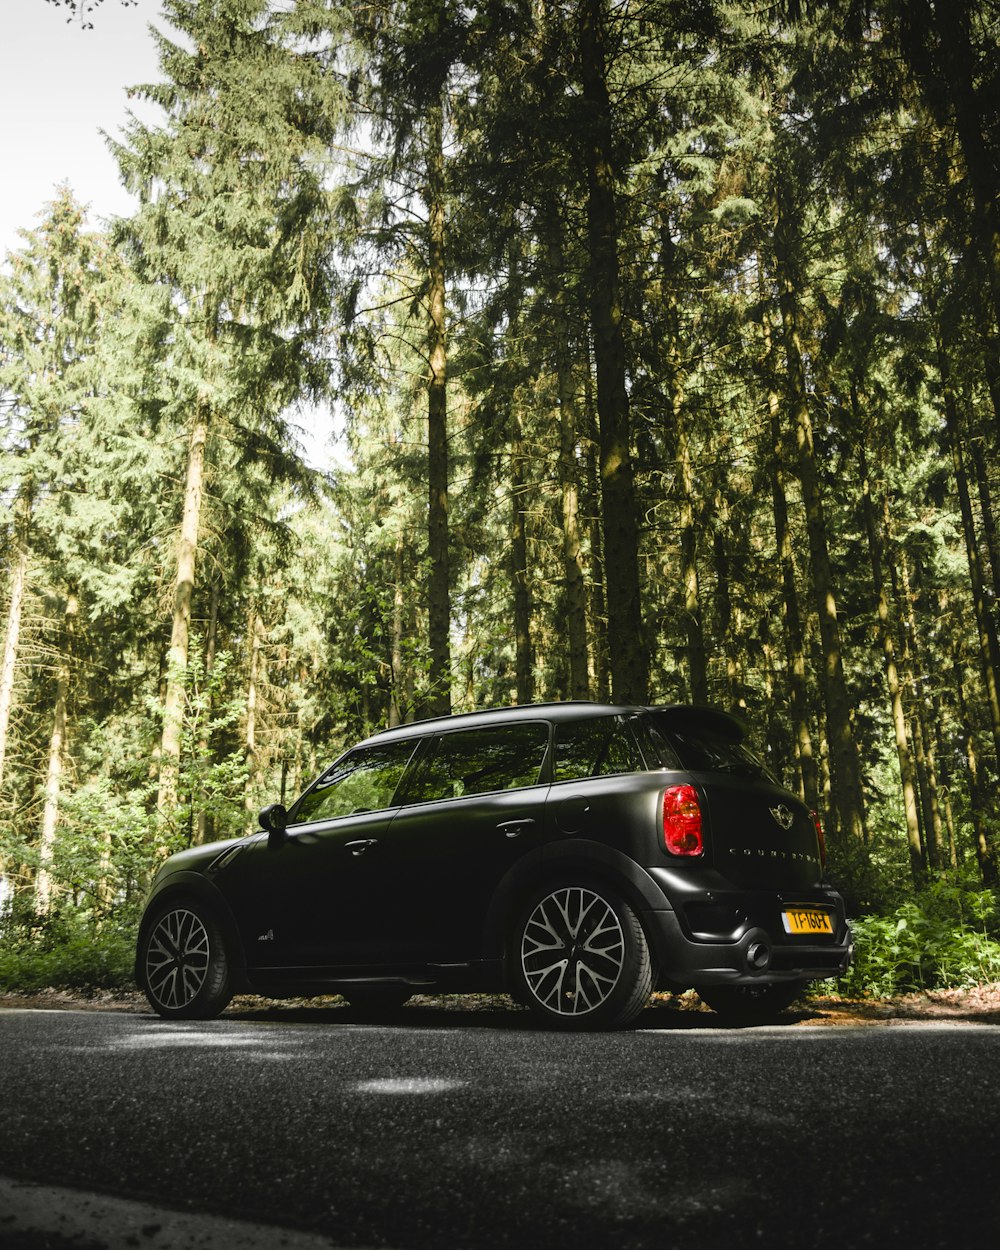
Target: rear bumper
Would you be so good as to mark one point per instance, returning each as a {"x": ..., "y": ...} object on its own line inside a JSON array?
[{"x": 739, "y": 939}]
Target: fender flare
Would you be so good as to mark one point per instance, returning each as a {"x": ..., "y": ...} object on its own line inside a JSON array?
[
  {"x": 576, "y": 857},
  {"x": 187, "y": 885}
]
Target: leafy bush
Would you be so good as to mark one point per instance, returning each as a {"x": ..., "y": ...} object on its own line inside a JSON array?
[
  {"x": 946, "y": 937},
  {"x": 66, "y": 955}
]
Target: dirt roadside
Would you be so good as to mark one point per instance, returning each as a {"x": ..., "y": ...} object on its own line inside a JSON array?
[{"x": 978, "y": 1005}]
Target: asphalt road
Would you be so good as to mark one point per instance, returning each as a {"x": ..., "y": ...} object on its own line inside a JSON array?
[{"x": 436, "y": 1129}]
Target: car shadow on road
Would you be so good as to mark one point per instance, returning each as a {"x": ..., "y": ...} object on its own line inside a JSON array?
[{"x": 481, "y": 1012}]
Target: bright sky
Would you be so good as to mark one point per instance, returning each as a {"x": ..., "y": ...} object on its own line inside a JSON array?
[{"x": 60, "y": 86}]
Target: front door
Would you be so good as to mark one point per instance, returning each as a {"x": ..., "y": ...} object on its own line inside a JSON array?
[
  {"x": 318, "y": 898},
  {"x": 470, "y": 810}
]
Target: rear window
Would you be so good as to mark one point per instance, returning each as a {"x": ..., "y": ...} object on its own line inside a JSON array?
[
  {"x": 599, "y": 747},
  {"x": 700, "y": 748}
]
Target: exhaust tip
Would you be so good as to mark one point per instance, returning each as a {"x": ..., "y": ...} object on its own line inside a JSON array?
[{"x": 758, "y": 956}]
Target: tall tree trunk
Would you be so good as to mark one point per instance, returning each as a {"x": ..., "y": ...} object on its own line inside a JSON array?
[
  {"x": 397, "y": 703},
  {"x": 887, "y": 631},
  {"x": 184, "y": 583},
  {"x": 987, "y": 513},
  {"x": 845, "y": 763},
  {"x": 978, "y": 805},
  {"x": 572, "y": 544},
  {"x": 795, "y": 649},
  {"x": 54, "y": 770},
  {"x": 729, "y": 635},
  {"x": 693, "y": 630},
  {"x": 629, "y": 660},
  {"x": 960, "y": 62},
  {"x": 202, "y": 821},
  {"x": 598, "y": 585},
  {"x": 438, "y": 590},
  {"x": 250, "y": 755},
  {"x": 524, "y": 677},
  {"x": 986, "y": 631},
  {"x": 12, "y": 637}
]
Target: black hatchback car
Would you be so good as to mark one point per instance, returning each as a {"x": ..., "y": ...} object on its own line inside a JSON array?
[{"x": 577, "y": 855}]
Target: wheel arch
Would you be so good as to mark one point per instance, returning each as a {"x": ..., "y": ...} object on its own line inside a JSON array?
[
  {"x": 580, "y": 858},
  {"x": 191, "y": 885}
]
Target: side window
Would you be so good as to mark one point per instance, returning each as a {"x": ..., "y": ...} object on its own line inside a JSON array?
[
  {"x": 479, "y": 761},
  {"x": 658, "y": 751},
  {"x": 593, "y": 748},
  {"x": 363, "y": 781}
]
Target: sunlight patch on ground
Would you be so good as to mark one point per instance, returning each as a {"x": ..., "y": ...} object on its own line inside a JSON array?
[{"x": 407, "y": 1085}]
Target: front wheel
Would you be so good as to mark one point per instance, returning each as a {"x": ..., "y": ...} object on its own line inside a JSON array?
[
  {"x": 183, "y": 962},
  {"x": 751, "y": 1002},
  {"x": 578, "y": 957}
]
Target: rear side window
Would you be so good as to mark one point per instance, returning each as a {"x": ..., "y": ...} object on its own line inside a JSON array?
[
  {"x": 598, "y": 747},
  {"x": 480, "y": 761},
  {"x": 363, "y": 781},
  {"x": 703, "y": 749}
]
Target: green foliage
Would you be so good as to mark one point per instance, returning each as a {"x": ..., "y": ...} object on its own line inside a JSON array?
[
  {"x": 807, "y": 169},
  {"x": 947, "y": 936},
  {"x": 68, "y": 953}
]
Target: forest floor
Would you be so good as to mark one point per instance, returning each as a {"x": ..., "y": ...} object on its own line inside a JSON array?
[{"x": 977, "y": 1005}]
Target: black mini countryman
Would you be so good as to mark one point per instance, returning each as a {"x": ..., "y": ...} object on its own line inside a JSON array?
[{"x": 577, "y": 855}]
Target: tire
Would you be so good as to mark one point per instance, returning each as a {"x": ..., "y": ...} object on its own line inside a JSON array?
[
  {"x": 377, "y": 999},
  {"x": 751, "y": 1002},
  {"x": 578, "y": 957},
  {"x": 183, "y": 962}
]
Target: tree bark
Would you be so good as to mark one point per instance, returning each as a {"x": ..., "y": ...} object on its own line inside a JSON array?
[
  {"x": 629, "y": 661},
  {"x": 795, "y": 650},
  {"x": 203, "y": 823},
  {"x": 397, "y": 703},
  {"x": 184, "y": 583},
  {"x": 572, "y": 544},
  {"x": 54, "y": 770},
  {"x": 524, "y": 677},
  {"x": 886, "y": 632},
  {"x": 250, "y": 756},
  {"x": 438, "y": 590},
  {"x": 12, "y": 637},
  {"x": 693, "y": 629},
  {"x": 845, "y": 764}
]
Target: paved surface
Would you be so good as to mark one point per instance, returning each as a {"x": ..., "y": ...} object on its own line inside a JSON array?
[{"x": 440, "y": 1130}]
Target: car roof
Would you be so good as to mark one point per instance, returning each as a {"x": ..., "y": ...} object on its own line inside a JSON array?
[{"x": 688, "y": 714}]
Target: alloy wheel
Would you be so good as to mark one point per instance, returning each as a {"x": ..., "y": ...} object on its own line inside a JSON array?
[
  {"x": 572, "y": 951},
  {"x": 178, "y": 954}
]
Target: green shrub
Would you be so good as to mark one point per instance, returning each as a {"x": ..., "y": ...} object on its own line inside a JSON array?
[
  {"x": 67, "y": 956},
  {"x": 944, "y": 938}
]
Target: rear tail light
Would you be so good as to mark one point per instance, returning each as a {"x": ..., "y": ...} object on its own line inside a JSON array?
[
  {"x": 682, "y": 821},
  {"x": 821, "y": 840}
]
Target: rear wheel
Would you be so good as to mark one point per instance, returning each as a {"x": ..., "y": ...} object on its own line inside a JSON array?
[
  {"x": 184, "y": 963},
  {"x": 578, "y": 957},
  {"x": 751, "y": 1002}
]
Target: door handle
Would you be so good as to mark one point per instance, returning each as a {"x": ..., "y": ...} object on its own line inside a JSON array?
[
  {"x": 514, "y": 827},
  {"x": 362, "y": 845}
]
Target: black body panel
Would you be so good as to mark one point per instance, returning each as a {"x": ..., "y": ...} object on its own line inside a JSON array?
[{"x": 423, "y": 891}]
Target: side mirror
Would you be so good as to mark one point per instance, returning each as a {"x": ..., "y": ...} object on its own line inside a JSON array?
[{"x": 274, "y": 819}]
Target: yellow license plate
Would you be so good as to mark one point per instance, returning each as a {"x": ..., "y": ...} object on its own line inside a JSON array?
[{"x": 806, "y": 920}]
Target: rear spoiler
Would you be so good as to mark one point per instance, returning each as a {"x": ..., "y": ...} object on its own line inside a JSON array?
[{"x": 702, "y": 716}]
